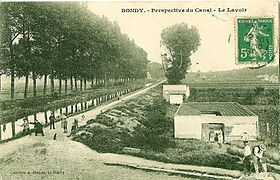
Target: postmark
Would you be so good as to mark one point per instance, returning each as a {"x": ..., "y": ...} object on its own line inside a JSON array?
[{"x": 255, "y": 40}]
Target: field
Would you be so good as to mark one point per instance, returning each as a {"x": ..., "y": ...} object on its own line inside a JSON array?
[
  {"x": 121, "y": 127},
  {"x": 245, "y": 78}
]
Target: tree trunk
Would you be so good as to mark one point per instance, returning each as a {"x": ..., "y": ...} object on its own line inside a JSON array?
[
  {"x": 65, "y": 85},
  {"x": 52, "y": 84},
  {"x": 59, "y": 84},
  {"x": 76, "y": 85},
  {"x": 81, "y": 84},
  {"x": 85, "y": 84},
  {"x": 82, "y": 106},
  {"x": 26, "y": 86},
  {"x": 0, "y": 92},
  {"x": 92, "y": 82},
  {"x": 45, "y": 85},
  {"x": 76, "y": 107},
  {"x": 46, "y": 118},
  {"x": 13, "y": 128},
  {"x": 71, "y": 83},
  {"x": 12, "y": 83},
  {"x": 278, "y": 131},
  {"x": 72, "y": 109},
  {"x": 12, "y": 69},
  {"x": 34, "y": 84}
]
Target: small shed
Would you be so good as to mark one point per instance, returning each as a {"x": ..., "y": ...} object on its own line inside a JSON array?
[
  {"x": 202, "y": 120},
  {"x": 169, "y": 92},
  {"x": 176, "y": 99}
]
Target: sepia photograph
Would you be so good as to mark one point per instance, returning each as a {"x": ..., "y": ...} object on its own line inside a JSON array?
[{"x": 139, "y": 90}]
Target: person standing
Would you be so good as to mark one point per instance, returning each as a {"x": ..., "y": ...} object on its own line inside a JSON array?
[
  {"x": 64, "y": 123},
  {"x": 74, "y": 127},
  {"x": 62, "y": 117},
  {"x": 83, "y": 119},
  {"x": 258, "y": 158},
  {"x": 38, "y": 127},
  {"x": 220, "y": 138},
  {"x": 52, "y": 121},
  {"x": 211, "y": 135},
  {"x": 244, "y": 136},
  {"x": 247, "y": 158},
  {"x": 25, "y": 125}
]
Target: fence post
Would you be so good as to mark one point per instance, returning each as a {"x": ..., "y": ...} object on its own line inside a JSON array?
[
  {"x": 82, "y": 107},
  {"x": 46, "y": 117},
  {"x": 72, "y": 109},
  {"x": 13, "y": 129}
]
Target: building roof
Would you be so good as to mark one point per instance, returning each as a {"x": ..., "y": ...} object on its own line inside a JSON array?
[
  {"x": 216, "y": 108},
  {"x": 174, "y": 87}
]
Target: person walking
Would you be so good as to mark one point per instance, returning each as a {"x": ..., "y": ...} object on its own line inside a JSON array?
[
  {"x": 38, "y": 127},
  {"x": 83, "y": 119},
  {"x": 62, "y": 118},
  {"x": 52, "y": 121},
  {"x": 74, "y": 127},
  {"x": 25, "y": 125},
  {"x": 64, "y": 123},
  {"x": 258, "y": 158},
  {"x": 247, "y": 159}
]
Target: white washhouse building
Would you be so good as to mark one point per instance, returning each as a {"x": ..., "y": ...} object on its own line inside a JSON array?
[
  {"x": 176, "y": 94},
  {"x": 203, "y": 120}
]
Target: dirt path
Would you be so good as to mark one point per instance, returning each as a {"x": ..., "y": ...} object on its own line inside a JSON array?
[
  {"x": 45, "y": 158},
  {"x": 94, "y": 112}
]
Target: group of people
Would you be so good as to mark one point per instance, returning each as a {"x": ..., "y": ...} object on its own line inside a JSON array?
[
  {"x": 38, "y": 127},
  {"x": 254, "y": 156},
  {"x": 217, "y": 137}
]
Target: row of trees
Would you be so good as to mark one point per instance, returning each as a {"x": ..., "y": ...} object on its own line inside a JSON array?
[{"x": 65, "y": 41}]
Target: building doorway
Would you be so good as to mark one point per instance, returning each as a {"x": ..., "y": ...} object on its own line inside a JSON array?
[{"x": 210, "y": 130}]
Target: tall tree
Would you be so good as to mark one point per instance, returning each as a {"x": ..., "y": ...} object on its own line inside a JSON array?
[{"x": 180, "y": 41}]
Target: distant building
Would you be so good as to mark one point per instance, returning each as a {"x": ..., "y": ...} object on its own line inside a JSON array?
[
  {"x": 176, "y": 94},
  {"x": 202, "y": 120}
]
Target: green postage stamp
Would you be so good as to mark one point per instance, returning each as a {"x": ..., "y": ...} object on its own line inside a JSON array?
[{"x": 255, "y": 40}]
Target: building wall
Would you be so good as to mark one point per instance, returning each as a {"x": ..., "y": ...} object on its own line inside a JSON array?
[
  {"x": 175, "y": 89},
  {"x": 176, "y": 99},
  {"x": 235, "y": 126}
]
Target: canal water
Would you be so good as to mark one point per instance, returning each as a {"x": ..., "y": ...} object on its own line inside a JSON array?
[{"x": 10, "y": 129}]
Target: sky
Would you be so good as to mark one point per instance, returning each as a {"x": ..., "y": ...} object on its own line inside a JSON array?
[{"x": 217, "y": 29}]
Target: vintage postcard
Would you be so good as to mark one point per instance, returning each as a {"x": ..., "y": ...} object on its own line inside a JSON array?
[{"x": 139, "y": 90}]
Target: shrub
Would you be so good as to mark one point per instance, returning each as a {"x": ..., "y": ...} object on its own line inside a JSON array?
[
  {"x": 235, "y": 151},
  {"x": 103, "y": 139}
]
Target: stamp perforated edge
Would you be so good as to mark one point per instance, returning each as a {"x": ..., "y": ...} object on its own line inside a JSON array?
[{"x": 275, "y": 38}]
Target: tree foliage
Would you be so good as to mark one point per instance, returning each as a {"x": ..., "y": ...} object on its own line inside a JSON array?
[
  {"x": 152, "y": 133},
  {"x": 179, "y": 41},
  {"x": 65, "y": 40}
]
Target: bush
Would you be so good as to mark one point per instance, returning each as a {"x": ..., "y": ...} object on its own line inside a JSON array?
[
  {"x": 155, "y": 125},
  {"x": 235, "y": 151},
  {"x": 103, "y": 139}
]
